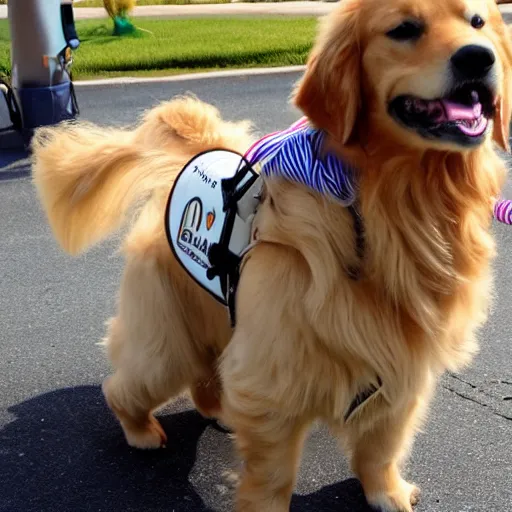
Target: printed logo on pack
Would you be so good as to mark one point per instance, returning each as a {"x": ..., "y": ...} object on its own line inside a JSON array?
[
  {"x": 210, "y": 219},
  {"x": 189, "y": 239}
]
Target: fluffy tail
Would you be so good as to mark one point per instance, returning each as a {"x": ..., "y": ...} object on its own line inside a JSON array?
[{"x": 88, "y": 177}]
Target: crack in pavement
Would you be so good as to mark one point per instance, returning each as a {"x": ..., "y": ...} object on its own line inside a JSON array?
[
  {"x": 464, "y": 396},
  {"x": 499, "y": 405},
  {"x": 497, "y": 413},
  {"x": 462, "y": 380}
]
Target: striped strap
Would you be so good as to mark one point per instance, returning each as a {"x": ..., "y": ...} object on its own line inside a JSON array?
[
  {"x": 503, "y": 211},
  {"x": 265, "y": 147}
]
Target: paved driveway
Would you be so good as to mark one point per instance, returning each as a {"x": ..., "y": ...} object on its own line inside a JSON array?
[{"x": 62, "y": 451}]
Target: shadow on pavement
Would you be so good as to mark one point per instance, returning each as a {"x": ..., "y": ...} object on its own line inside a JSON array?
[
  {"x": 346, "y": 496},
  {"x": 14, "y": 156},
  {"x": 8, "y": 158},
  {"x": 63, "y": 451}
]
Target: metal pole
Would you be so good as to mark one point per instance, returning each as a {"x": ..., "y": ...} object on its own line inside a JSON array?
[{"x": 40, "y": 63}]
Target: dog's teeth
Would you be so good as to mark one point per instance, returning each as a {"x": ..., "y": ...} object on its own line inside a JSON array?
[{"x": 474, "y": 96}]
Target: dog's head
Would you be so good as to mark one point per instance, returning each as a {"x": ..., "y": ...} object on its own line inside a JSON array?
[{"x": 435, "y": 74}]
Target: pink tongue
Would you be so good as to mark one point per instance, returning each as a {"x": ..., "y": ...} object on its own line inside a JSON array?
[{"x": 458, "y": 112}]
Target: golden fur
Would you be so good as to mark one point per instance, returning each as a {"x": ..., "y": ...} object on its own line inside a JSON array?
[{"x": 307, "y": 338}]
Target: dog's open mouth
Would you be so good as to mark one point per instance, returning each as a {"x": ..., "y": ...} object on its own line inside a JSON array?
[{"x": 462, "y": 116}]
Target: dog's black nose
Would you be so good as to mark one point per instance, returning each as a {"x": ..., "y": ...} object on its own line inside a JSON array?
[{"x": 473, "y": 61}]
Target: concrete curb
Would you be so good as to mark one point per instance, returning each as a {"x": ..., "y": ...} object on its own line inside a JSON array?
[{"x": 191, "y": 76}]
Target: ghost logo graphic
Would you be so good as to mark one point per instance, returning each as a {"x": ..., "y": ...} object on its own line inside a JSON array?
[
  {"x": 189, "y": 239},
  {"x": 210, "y": 219}
]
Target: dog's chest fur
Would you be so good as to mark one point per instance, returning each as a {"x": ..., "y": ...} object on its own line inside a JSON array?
[{"x": 425, "y": 288}]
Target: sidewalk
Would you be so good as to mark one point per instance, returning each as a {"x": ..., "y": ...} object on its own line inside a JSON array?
[
  {"x": 232, "y": 9},
  {"x": 304, "y": 8}
]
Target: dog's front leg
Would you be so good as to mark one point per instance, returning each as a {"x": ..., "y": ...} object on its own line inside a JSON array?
[
  {"x": 269, "y": 433},
  {"x": 376, "y": 455},
  {"x": 264, "y": 397},
  {"x": 270, "y": 447}
]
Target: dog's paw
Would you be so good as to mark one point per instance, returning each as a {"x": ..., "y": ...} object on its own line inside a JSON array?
[
  {"x": 401, "y": 500},
  {"x": 149, "y": 437}
]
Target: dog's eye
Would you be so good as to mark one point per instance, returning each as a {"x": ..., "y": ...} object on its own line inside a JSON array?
[
  {"x": 407, "y": 31},
  {"x": 477, "y": 21}
]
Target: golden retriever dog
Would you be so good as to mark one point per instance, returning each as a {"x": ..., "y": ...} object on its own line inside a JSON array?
[{"x": 413, "y": 94}]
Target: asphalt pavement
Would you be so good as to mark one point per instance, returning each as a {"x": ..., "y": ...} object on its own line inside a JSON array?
[{"x": 62, "y": 451}]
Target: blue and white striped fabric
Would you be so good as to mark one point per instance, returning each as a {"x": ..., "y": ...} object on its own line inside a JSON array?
[{"x": 297, "y": 154}]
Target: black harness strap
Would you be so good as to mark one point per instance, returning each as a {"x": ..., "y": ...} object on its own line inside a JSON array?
[
  {"x": 224, "y": 263},
  {"x": 355, "y": 272},
  {"x": 361, "y": 398}
]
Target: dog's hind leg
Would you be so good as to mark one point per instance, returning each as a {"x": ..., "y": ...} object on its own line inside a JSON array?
[
  {"x": 152, "y": 345},
  {"x": 132, "y": 405},
  {"x": 142, "y": 384},
  {"x": 148, "y": 371},
  {"x": 207, "y": 395}
]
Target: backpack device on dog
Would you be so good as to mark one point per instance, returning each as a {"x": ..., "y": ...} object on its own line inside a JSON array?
[{"x": 215, "y": 197}]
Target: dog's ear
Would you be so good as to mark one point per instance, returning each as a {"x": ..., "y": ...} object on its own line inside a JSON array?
[
  {"x": 503, "y": 114},
  {"x": 329, "y": 92},
  {"x": 501, "y": 132}
]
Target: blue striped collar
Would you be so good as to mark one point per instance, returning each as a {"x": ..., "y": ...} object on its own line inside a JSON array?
[{"x": 299, "y": 154}]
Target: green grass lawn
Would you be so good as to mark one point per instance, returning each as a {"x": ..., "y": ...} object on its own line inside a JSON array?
[{"x": 183, "y": 45}]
